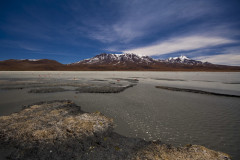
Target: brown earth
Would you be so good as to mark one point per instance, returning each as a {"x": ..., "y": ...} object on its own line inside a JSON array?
[{"x": 52, "y": 65}]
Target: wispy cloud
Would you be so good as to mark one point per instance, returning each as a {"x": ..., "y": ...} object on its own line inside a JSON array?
[
  {"x": 229, "y": 56},
  {"x": 179, "y": 44},
  {"x": 33, "y": 48},
  {"x": 137, "y": 19},
  {"x": 225, "y": 59},
  {"x": 86, "y": 28},
  {"x": 19, "y": 45}
]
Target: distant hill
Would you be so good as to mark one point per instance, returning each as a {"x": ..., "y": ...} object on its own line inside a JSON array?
[
  {"x": 30, "y": 65},
  {"x": 114, "y": 62}
]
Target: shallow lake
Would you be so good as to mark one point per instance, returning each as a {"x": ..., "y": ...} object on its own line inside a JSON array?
[{"x": 144, "y": 111}]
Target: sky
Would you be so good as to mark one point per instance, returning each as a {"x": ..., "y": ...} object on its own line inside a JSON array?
[{"x": 72, "y": 30}]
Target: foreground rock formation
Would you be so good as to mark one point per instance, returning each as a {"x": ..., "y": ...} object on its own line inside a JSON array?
[{"x": 61, "y": 130}]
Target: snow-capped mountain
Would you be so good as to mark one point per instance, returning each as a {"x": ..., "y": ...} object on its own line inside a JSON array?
[
  {"x": 32, "y": 60},
  {"x": 115, "y": 62},
  {"x": 117, "y": 59},
  {"x": 178, "y": 59},
  {"x": 183, "y": 60}
]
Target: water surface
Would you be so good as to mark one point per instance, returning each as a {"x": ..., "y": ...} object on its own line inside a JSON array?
[{"x": 144, "y": 111}]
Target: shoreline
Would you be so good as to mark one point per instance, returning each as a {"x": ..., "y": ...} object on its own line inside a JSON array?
[
  {"x": 61, "y": 130},
  {"x": 142, "y": 111}
]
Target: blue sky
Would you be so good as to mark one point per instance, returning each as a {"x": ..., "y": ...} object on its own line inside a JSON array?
[{"x": 71, "y": 30}]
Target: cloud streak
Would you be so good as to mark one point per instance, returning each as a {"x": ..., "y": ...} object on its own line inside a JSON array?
[
  {"x": 87, "y": 28},
  {"x": 229, "y": 56},
  {"x": 224, "y": 59},
  {"x": 179, "y": 44},
  {"x": 137, "y": 19}
]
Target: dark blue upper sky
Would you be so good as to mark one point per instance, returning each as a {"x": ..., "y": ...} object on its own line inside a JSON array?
[{"x": 71, "y": 30}]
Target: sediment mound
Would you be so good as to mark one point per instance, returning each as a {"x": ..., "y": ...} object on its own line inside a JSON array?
[
  {"x": 102, "y": 89},
  {"x": 196, "y": 91},
  {"x": 61, "y": 130},
  {"x": 47, "y": 90}
]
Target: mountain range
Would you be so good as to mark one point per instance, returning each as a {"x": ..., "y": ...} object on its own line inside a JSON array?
[
  {"x": 111, "y": 62},
  {"x": 120, "y": 59}
]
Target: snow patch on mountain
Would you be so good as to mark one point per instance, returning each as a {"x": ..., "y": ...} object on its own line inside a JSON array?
[
  {"x": 130, "y": 58},
  {"x": 34, "y": 60},
  {"x": 117, "y": 59}
]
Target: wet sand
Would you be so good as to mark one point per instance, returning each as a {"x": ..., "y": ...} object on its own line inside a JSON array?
[{"x": 143, "y": 111}]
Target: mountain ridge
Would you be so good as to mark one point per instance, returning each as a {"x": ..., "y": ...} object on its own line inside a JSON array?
[
  {"x": 120, "y": 58},
  {"x": 130, "y": 57},
  {"x": 115, "y": 62}
]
